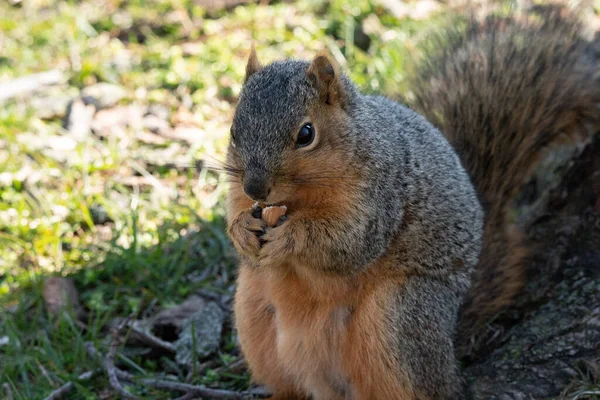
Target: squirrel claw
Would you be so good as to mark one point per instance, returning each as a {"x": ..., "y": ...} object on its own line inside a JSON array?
[
  {"x": 261, "y": 241},
  {"x": 281, "y": 220},
  {"x": 256, "y": 211}
]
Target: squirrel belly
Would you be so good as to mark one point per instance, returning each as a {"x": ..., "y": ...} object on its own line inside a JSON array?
[{"x": 301, "y": 345}]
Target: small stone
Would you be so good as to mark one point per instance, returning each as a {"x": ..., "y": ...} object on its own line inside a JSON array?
[
  {"x": 103, "y": 95},
  {"x": 207, "y": 326}
]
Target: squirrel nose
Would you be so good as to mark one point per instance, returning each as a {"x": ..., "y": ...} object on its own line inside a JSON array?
[{"x": 257, "y": 187}]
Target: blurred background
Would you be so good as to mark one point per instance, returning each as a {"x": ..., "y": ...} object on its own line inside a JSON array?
[{"x": 110, "y": 111}]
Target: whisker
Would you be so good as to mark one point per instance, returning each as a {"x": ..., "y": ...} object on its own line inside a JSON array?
[
  {"x": 205, "y": 157},
  {"x": 212, "y": 163},
  {"x": 223, "y": 168},
  {"x": 323, "y": 176},
  {"x": 331, "y": 180},
  {"x": 229, "y": 173},
  {"x": 175, "y": 165},
  {"x": 311, "y": 184}
]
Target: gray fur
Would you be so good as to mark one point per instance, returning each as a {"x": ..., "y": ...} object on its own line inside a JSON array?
[
  {"x": 271, "y": 101},
  {"x": 418, "y": 207}
]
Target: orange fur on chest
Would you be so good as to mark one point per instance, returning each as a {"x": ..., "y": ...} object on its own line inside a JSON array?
[
  {"x": 310, "y": 328},
  {"x": 322, "y": 332}
]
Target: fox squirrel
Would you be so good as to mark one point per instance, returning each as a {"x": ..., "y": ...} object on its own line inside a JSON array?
[{"x": 384, "y": 252}]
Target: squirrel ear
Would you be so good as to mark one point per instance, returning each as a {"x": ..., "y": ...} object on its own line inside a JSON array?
[
  {"x": 253, "y": 65},
  {"x": 325, "y": 75}
]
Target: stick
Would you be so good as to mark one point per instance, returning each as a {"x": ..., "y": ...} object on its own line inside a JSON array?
[
  {"x": 67, "y": 387},
  {"x": 196, "y": 390},
  {"x": 150, "y": 339},
  {"x": 201, "y": 391},
  {"x": 109, "y": 364},
  {"x": 187, "y": 396}
]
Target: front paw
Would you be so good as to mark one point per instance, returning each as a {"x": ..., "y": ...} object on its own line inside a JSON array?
[
  {"x": 278, "y": 243},
  {"x": 244, "y": 232}
]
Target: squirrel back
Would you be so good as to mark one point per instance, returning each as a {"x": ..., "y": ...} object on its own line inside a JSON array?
[{"x": 503, "y": 91}]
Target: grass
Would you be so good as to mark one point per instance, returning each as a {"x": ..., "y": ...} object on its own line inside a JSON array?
[{"x": 115, "y": 212}]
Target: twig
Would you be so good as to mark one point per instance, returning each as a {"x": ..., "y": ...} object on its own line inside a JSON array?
[
  {"x": 67, "y": 387},
  {"x": 60, "y": 392},
  {"x": 237, "y": 366},
  {"x": 196, "y": 390},
  {"x": 202, "y": 391},
  {"x": 187, "y": 396},
  {"x": 109, "y": 364},
  {"x": 200, "y": 368},
  {"x": 149, "y": 338},
  {"x": 92, "y": 352},
  {"x": 585, "y": 393},
  {"x": 147, "y": 311},
  {"x": 260, "y": 392}
]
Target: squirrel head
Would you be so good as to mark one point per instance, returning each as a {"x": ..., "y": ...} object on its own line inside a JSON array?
[{"x": 290, "y": 132}]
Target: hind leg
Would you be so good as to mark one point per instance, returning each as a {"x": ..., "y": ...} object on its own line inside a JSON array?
[
  {"x": 255, "y": 322},
  {"x": 400, "y": 343}
]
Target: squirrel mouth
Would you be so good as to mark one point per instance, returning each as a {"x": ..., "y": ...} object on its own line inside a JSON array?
[{"x": 265, "y": 205}]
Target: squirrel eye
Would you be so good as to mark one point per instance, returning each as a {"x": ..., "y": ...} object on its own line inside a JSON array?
[{"x": 306, "y": 135}]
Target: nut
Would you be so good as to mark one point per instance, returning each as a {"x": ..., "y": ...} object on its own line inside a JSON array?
[{"x": 272, "y": 214}]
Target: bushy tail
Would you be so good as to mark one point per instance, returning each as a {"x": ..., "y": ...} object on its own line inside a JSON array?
[{"x": 503, "y": 90}]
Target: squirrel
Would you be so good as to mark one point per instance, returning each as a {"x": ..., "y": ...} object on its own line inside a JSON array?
[{"x": 399, "y": 233}]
